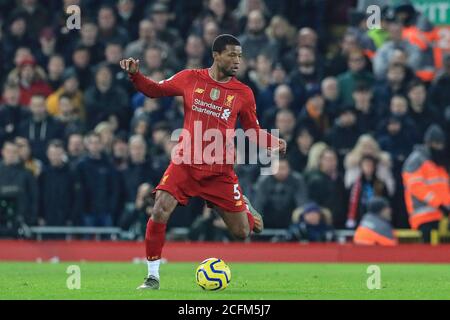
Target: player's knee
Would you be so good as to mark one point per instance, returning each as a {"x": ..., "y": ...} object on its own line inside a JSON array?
[{"x": 160, "y": 212}]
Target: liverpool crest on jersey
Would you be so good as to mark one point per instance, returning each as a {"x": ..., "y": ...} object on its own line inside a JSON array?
[{"x": 214, "y": 94}]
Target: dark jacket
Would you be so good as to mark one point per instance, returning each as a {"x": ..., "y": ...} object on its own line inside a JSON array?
[
  {"x": 40, "y": 133},
  {"x": 96, "y": 186},
  {"x": 57, "y": 195},
  {"x": 343, "y": 139},
  {"x": 328, "y": 193},
  {"x": 18, "y": 188},
  {"x": 100, "y": 106},
  {"x": 276, "y": 200},
  {"x": 11, "y": 116},
  {"x": 135, "y": 175}
]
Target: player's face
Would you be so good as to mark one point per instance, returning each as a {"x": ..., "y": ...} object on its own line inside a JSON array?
[{"x": 229, "y": 60}]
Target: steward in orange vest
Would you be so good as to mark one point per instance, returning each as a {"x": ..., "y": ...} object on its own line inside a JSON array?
[
  {"x": 375, "y": 227},
  {"x": 426, "y": 182}
]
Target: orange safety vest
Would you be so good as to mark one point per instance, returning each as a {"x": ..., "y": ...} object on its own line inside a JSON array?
[
  {"x": 373, "y": 230},
  {"x": 423, "y": 40},
  {"x": 426, "y": 188}
]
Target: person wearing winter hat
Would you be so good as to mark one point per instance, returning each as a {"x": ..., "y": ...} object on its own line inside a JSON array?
[
  {"x": 375, "y": 227},
  {"x": 426, "y": 181}
]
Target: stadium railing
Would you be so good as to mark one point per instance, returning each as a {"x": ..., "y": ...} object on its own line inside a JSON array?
[{"x": 68, "y": 232}]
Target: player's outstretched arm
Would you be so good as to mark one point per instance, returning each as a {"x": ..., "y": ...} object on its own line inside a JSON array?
[{"x": 173, "y": 86}]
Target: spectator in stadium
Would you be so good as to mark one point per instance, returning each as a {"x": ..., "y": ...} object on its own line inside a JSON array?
[
  {"x": 382, "y": 55},
  {"x": 366, "y": 116},
  {"x": 278, "y": 195},
  {"x": 363, "y": 190},
  {"x": 18, "y": 192},
  {"x": 108, "y": 29},
  {"x": 113, "y": 55},
  {"x": 330, "y": 93},
  {"x": 26, "y": 157},
  {"x": 422, "y": 113},
  {"x": 221, "y": 13},
  {"x": 285, "y": 123},
  {"x": 298, "y": 153},
  {"x": 326, "y": 186},
  {"x": 104, "y": 99},
  {"x": 81, "y": 66},
  {"x": 47, "y": 41},
  {"x": 35, "y": 15},
  {"x": 385, "y": 90},
  {"x": 396, "y": 139},
  {"x": 283, "y": 99},
  {"x": 32, "y": 80},
  {"x": 68, "y": 117},
  {"x": 265, "y": 97},
  {"x": 368, "y": 146},
  {"x": 254, "y": 41},
  {"x": 260, "y": 76},
  {"x": 106, "y": 132},
  {"x": 375, "y": 227},
  {"x": 314, "y": 117},
  {"x": 55, "y": 71},
  {"x": 89, "y": 40},
  {"x": 210, "y": 32},
  {"x": 70, "y": 88},
  {"x": 120, "y": 153},
  {"x": 128, "y": 15},
  {"x": 441, "y": 86},
  {"x": 159, "y": 133},
  {"x": 427, "y": 191},
  {"x": 11, "y": 113},
  {"x": 40, "y": 128},
  {"x": 174, "y": 114},
  {"x": 16, "y": 36},
  {"x": 161, "y": 16},
  {"x": 344, "y": 133},
  {"x": 406, "y": 133},
  {"x": 194, "y": 52},
  {"x": 357, "y": 72},
  {"x": 75, "y": 148},
  {"x": 151, "y": 112},
  {"x": 96, "y": 186},
  {"x": 135, "y": 216},
  {"x": 311, "y": 223},
  {"x": 338, "y": 63},
  {"x": 56, "y": 188},
  {"x": 147, "y": 38},
  {"x": 305, "y": 78},
  {"x": 282, "y": 34},
  {"x": 306, "y": 37}
]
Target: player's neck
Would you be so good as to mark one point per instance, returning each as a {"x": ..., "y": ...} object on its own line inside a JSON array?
[{"x": 218, "y": 76}]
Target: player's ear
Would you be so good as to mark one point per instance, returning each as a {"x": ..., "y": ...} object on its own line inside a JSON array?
[{"x": 215, "y": 54}]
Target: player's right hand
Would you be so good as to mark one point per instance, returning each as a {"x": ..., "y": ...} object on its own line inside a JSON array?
[{"x": 130, "y": 65}]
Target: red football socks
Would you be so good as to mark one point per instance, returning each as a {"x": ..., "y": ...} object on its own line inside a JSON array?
[{"x": 155, "y": 236}]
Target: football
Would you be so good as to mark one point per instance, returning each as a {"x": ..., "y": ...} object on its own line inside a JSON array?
[{"x": 213, "y": 274}]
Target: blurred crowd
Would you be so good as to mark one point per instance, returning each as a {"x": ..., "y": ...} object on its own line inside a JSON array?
[{"x": 81, "y": 147}]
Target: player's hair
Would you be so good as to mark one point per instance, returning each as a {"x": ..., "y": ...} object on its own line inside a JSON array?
[{"x": 222, "y": 41}]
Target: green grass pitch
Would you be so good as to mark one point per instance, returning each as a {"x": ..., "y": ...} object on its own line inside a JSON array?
[{"x": 249, "y": 281}]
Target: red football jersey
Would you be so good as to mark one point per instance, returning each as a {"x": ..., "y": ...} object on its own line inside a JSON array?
[{"x": 210, "y": 108}]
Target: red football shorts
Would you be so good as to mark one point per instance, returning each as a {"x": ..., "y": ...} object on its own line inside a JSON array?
[{"x": 217, "y": 189}]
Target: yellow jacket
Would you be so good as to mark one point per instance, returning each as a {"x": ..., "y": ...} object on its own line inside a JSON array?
[{"x": 77, "y": 101}]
